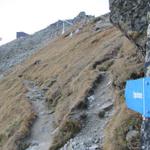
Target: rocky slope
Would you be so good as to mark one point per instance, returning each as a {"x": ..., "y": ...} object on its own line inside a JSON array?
[
  {"x": 63, "y": 91},
  {"x": 99, "y": 112},
  {"x": 19, "y": 49},
  {"x": 131, "y": 17},
  {"x": 41, "y": 133}
]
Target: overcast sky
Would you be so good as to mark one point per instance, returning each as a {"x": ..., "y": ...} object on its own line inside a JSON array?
[{"x": 33, "y": 15}]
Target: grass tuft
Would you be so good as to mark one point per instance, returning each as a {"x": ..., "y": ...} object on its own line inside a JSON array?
[{"x": 67, "y": 130}]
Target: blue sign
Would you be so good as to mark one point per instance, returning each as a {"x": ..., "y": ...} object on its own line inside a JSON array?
[{"x": 137, "y": 94}]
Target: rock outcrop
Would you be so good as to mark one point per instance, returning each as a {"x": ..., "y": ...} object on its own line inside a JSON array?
[{"x": 131, "y": 17}]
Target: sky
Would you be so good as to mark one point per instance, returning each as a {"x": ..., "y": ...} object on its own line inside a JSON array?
[{"x": 33, "y": 15}]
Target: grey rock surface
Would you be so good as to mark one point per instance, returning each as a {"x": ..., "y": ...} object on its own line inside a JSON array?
[
  {"x": 131, "y": 135},
  {"x": 92, "y": 135},
  {"x": 131, "y": 17},
  {"x": 147, "y": 58},
  {"x": 102, "y": 22}
]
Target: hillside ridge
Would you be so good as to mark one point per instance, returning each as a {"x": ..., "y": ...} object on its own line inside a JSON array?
[{"x": 18, "y": 50}]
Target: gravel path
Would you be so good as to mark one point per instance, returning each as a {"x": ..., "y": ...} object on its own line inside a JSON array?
[
  {"x": 41, "y": 132},
  {"x": 92, "y": 135},
  {"x": 100, "y": 110}
]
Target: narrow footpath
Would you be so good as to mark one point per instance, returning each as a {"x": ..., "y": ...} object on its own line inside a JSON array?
[
  {"x": 41, "y": 131},
  {"x": 99, "y": 112}
]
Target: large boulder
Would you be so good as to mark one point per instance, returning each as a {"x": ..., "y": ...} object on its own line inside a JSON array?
[{"x": 131, "y": 17}]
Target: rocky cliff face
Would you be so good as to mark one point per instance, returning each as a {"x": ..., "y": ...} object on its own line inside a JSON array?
[{"x": 131, "y": 17}]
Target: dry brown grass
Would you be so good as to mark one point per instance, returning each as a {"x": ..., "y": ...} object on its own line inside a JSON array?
[
  {"x": 69, "y": 67},
  {"x": 128, "y": 66},
  {"x": 67, "y": 130},
  {"x": 16, "y": 113},
  {"x": 119, "y": 126}
]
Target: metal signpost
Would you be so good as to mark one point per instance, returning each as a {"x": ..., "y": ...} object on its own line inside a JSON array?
[{"x": 138, "y": 96}]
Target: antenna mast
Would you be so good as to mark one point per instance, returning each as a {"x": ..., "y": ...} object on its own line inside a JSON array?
[{"x": 67, "y": 22}]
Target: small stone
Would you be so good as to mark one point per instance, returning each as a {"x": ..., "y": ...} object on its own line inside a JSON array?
[
  {"x": 107, "y": 107},
  {"x": 101, "y": 114},
  {"x": 94, "y": 147},
  {"x": 131, "y": 135},
  {"x": 35, "y": 143},
  {"x": 130, "y": 128},
  {"x": 148, "y": 31},
  {"x": 77, "y": 31},
  {"x": 37, "y": 62},
  {"x": 45, "y": 89},
  {"x": 42, "y": 113},
  {"x": 65, "y": 147},
  {"x": 91, "y": 98},
  {"x": 50, "y": 112},
  {"x": 83, "y": 116},
  {"x": 35, "y": 147},
  {"x": 96, "y": 141}
]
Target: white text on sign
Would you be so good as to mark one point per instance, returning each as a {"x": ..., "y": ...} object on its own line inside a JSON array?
[{"x": 137, "y": 95}]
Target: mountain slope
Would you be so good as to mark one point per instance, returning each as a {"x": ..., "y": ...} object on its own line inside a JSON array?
[
  {"x": 18, "y": 50},
  {"x": 67, "y": 71}
]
